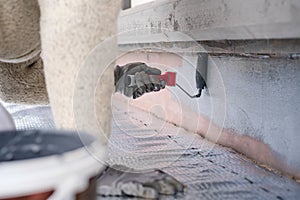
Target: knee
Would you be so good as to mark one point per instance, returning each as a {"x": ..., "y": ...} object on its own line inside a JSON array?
[
  {"x": 19, "y": 36},
  {"x": 23, "y": 82}
]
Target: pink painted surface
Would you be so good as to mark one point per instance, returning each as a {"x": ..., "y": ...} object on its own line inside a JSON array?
[{"x": 165, "y": 106}]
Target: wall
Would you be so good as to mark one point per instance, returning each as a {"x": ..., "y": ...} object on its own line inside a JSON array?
[{"x": 252, "y": 101}]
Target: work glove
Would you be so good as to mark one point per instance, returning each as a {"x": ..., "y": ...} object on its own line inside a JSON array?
[
  {"x": 144, "y": 78},
  {"x": 128, "y": 183}
]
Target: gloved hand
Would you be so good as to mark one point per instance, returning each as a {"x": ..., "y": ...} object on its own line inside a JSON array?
[{"x": 144, "y": 79}]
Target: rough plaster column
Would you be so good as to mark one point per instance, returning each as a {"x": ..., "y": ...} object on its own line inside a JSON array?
[{"x": 70, "y": 30}]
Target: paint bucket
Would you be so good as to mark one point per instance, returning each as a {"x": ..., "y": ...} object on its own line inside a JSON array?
[{"x": 58, "y": 165}]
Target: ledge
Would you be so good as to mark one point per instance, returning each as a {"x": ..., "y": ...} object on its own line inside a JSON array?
[{"x": 168, "y": 20}]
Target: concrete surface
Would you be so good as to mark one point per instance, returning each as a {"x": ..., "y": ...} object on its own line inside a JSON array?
[
  {"x": 210, "y": 20},
  {"x": 209, "y": 171}
]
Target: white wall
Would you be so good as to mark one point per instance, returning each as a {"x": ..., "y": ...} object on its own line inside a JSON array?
[{"x": 261, "y": 94}]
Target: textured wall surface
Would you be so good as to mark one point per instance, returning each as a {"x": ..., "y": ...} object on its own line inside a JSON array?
[
  {"x": 211, "y": 20},
  {"x": 252, "y": 102},
  {"x": 262, "y": 100}
]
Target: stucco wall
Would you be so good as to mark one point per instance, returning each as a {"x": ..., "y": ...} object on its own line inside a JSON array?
[
  {"x": 211, "y": 20},
  {"x": 252, "y": 102},
  {"x": 262, "y": 100}
]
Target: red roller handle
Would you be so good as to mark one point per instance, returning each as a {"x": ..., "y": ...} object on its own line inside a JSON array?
[{"x": 169, "y": 78}]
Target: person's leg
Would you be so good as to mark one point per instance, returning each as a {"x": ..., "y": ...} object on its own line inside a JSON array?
[
  {"x": 21, "y": 71},
  {"x": 70, "y": 30},
  {"x": 19, "y": 20}
]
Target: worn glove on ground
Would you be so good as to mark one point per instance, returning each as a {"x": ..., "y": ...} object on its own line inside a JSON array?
[
  {"x": 128, "y": 183},
  {"x": 144, "y": 79}
]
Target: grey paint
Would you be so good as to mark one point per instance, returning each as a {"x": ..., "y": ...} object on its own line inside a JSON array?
[{"x": 126, "y": 4}]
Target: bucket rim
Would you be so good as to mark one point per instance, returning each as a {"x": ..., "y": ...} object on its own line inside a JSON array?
[{"x": 73, "y": 168}]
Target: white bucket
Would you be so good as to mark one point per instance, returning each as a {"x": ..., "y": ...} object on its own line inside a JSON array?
[
  {"x": 6, "y": 121},
  {"x": 36, "y": 163}
]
